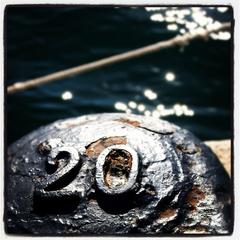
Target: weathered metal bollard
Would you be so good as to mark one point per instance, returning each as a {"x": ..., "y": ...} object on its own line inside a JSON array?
[{"x": 115, "y": 174}]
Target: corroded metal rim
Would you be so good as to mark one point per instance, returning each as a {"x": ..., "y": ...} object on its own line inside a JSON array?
[{"x": 132, "y": 175}]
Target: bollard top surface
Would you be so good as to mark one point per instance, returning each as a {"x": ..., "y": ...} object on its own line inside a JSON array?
[{"x": 115, "y": 174}]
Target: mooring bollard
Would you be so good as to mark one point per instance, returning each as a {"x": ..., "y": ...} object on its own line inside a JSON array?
[{"x": 115, "y": 174}]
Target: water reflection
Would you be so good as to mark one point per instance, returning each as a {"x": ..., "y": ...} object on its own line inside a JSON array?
[
  {"x": 172, "y": 27},
  {"x": 221, "y": 36},
  {"x": 141, "y": 107},
  {"x": 120, "y": 106},
  {"x": 180, "y": 20},
  {"x": 222, "y": 9},
  {"x": 67, "y": 95},
  {"x": 194, "y": 19},
  {"x": 148, "y": 93},
  {"x": 157, "y": 112},
  {"x": 170, "y": 76},
  {"x": 170, "y": 83},
  {"x": 132, "y": 104},
  {"x": 157, "y": 17}
]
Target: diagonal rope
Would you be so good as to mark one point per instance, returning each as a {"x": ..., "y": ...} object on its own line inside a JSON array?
[{"x": 178, "y": 40}]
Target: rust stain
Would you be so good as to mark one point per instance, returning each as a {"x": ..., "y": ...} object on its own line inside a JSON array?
[
  {"x": 188, "y": 149},
  {"x": 201, "y": 229},
  {"x": 167, "y": 213},
  {"x": 196, "y": 229},
  {"x": 118, "y": 163},
  {"x": 129, "y": 122},
  {"x": 123, "y": 158},
  {"x": 94, "y": 149},
  {"x": 194, "y": 197}
]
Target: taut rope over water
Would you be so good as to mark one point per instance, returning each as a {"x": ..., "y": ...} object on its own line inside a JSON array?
[{"x": 178, "y": 40}]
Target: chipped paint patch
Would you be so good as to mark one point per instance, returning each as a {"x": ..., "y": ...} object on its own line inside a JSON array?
[
  {"x": 133, "y": 123},
  {"x": 94, "y": 149}
]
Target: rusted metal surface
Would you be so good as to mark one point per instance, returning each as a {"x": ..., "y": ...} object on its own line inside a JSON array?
[
  {"x": 115, "y": 174},
  {"x": 194, "y": 196},
  {"x": 95, "y": 148}
]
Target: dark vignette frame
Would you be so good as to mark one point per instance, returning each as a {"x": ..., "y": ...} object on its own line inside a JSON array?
[{"x": 125, "y": 5}]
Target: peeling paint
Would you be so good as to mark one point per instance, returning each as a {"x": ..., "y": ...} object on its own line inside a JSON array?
[{"x": 94, "y": 149}]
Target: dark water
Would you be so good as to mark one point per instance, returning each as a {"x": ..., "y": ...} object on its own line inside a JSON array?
[{"x": 41, "y": 40}]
